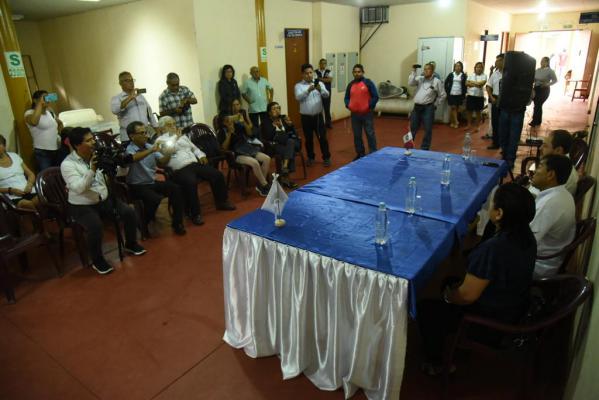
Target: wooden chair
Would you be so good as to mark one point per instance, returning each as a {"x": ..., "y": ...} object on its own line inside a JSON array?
[
  {"x": 585, "y": 230},
  {"x": 14, "y": 243},
  {"x": 558, "y": 297},
  {"x": 581, "y": 90},
  {"x": 585, "y": 183}
]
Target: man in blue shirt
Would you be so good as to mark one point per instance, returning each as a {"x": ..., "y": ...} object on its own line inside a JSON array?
[{"x": 141, "y": 177}]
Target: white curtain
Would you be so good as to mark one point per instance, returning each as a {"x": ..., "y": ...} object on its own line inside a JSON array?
[{"x": 339, "y": 324}]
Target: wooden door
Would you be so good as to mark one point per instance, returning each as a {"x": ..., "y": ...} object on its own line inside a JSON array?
[{"x": 296, "y": 54}]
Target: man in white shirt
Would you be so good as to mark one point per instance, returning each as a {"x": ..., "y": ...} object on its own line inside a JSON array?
[
  {"x": 88, "y": 199},
  {"x": 190, "y": 165},
  {"x": 310, "y": 96},
  {"x": 554, "y": 225},
  {"x": 493, "y": 85},
  {"x": 559, "y": 142},
  {"x": 130, "y": 105},
  {"x": 429, "y": 94}
]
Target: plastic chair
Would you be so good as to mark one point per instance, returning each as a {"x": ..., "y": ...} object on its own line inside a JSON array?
[
  {"x": 579, "y": 152},
  {"x": 557, "y": 297},
  {"x": 52, "y": 191},
  {"x": 584, "y": 231},
  {"x": 14, "y": 243}
]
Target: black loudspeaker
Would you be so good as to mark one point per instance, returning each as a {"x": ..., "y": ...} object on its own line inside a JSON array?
[{"x": 516, "y": 81}]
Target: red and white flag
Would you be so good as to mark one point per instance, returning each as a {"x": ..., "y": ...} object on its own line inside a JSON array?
[{"x": 408, "y": 140}]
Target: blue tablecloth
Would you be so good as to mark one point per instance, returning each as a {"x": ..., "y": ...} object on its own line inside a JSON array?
[
  {"x": 344, "y": 230},
  {"x": 383, "y": 176}
]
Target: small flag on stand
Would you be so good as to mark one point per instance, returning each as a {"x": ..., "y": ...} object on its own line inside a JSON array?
[
  {"x": 275, "y": 201},
  {"x": 408, "y": 142}
]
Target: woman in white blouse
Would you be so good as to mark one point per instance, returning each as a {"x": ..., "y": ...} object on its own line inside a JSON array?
[
  {"x": 475, "y": 98},
  {"x": 44, "y": 127},
  {"x": 12, "y": 178}
]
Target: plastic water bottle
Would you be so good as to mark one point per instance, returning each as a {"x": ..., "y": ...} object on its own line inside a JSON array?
[
  {"x": 411, "y": 196},
  {"x": 467, "y": 147},
  {"x": 446, "y": 171},
  {"x": 381, "y": 228}
]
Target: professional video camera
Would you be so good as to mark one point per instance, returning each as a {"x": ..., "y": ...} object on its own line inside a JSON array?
[{"x": 110, "y": 154}]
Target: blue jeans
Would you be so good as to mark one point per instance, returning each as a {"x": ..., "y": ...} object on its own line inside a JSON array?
[
  {"x": 46, "y": 158},
  {"x": 365, "y": 122},
  {"x": 423, "y": 114},
  {"x": 510, "y": 128}
]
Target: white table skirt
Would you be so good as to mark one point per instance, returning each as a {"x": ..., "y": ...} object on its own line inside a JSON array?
[{"x": 339, "y": 324}]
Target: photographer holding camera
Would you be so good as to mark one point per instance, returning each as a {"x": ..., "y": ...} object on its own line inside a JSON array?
[
  {"x": 88, "y": 199},
  {"x": 130, "y": 105}
]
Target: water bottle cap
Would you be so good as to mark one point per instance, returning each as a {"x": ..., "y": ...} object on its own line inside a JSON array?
[{"x": 382, "y": 204}]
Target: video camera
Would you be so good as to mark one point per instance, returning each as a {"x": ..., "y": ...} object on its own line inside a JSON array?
[{"x": 110, "y": 154}]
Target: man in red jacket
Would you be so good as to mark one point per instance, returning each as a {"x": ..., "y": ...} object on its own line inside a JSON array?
[{"x": 361, "y": 98}]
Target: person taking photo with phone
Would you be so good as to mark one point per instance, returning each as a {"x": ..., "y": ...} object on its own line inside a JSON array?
[
  {"x": 130, "y": 105},
  {"x": 44, "y": 127}
]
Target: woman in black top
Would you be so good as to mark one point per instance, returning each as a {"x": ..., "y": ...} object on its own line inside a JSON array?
[
  {"x": 497, "y": 280},
  {"x": 279, "y": 130},
  {"x": 227, "y": 90},
  {"x": 455, "y": 87}
]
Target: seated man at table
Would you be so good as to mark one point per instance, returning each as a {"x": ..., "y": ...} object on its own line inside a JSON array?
[
  {"x": 189, "y": 164},
  {"x": 554, "y": 225},
  {"x": 497, "y": 280},
  {"x": 559, "y": 142},
  {"x": 142, "y": 171}
]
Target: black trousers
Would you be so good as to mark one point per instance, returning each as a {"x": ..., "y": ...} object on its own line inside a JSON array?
[
  {"x": 326, "y": 103},
  {"x": 541, "y": 96},
  {"x": 152, "y": 194},
  {"x": 258, "y": 119},
  {"x": 188, "y": 177},
  {"x": 495, "y": 112},
  {"x": 314, "y": 124},
  {"x": 287, "y": 151},
  {"x": 90, "y": 217}
]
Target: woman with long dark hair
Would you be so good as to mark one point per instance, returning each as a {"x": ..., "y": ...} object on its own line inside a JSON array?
[
  {"x": 497, "y": 279},
  {"x": 44, "y": 127},
  {"x": 455, "y": 87},
  {"x": 228, "y": 90}
]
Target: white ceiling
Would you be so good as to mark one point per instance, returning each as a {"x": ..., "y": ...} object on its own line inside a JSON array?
[
  {"x": 510, "y": 6},
  {"x": 44, "y": 9}
]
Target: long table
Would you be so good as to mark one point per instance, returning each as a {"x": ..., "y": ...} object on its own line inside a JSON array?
[{"x": 320, "y": 294}]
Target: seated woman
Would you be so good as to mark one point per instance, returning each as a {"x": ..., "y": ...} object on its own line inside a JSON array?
[
  {"x": 497, "y": 280},
  {"x": 12, "y": 178},
  {"x": 281, "y": 131},
  {"x": 237, "y": 136}
]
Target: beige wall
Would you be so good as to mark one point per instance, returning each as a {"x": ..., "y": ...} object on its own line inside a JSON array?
[
  {"x": 524, "y": 23},
  {"x": 85, "y": 52},
  {"x": 6, "y": 115},
  {"x": 478, "y": 19},
  {"x": 392, "y": 51},
  {"x": 281, "y": 14},
  {"x": 30, "y": 41},
  {"x": 226, "y": 34}
]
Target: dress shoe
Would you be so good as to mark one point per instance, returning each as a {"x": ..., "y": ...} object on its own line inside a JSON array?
[
  {"x": 492, "y": 147},
  {"x": 327, "y": 162},
  {"x": 197, "y": 220},
  {"x": 226, "y": 206},
  {"x": 310, "y": 162},
  {"x": 358, "y": 156},
  {"x": 179, "y": 230}
]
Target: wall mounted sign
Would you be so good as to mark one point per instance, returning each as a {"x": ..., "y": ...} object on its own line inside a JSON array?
[{"x": 14, "y": 63}]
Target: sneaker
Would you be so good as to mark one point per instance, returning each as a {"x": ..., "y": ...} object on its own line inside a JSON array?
[
  {"x": 290, "y": 184},
  {"x": 310, "y": 162},
  {"x": 135, "y": 249},
  {"x": 327, "y": 162},
  {"x": 197, "y": 220},
  {"x": 226, "y": 206},
  {"x": 262, "y": 190},
  {"x": 102, "y": 267}
]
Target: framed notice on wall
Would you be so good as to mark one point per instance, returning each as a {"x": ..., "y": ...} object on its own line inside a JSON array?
[{"x": 14, "y": 63}]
